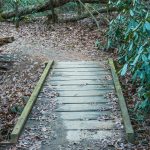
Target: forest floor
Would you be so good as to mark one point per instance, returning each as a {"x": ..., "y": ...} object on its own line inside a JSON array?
[
  {"x": 63, "y": 42},
  {"x": 36, "y": 43}
]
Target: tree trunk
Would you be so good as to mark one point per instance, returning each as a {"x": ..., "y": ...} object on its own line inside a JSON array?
[
  {"x": 43, "y": 7},
  {"x": 86, "y": 15},
  {"x": 52, "y": 16}
]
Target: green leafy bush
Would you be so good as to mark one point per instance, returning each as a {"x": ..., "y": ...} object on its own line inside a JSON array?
[{"x": 130, "y": 32}]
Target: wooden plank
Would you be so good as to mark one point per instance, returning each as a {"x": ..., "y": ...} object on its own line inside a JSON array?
[
  {"x": 81, "y": 100},
  {"x": 60, "y": 66},
  {"x": 83, "y": 115},
  {"x": 79, "y": 135},
  {"x": 22, "y": 119},
  {"x": 80, "y": 70},
  {"x": 81, "y": 73},
  {"x": 81, "y": 82},
  {"x": 82, "y": 107},
  {"x": 84, "y": 93},
  {"x": 127, "y": 123},
  {"x": 81, "y": 87},
  {"x": 66, "y": 78},
  {"x": 77, "y": 100},
  {"x": 81, "y": 63},
  {"x": 90, "y": 124}
]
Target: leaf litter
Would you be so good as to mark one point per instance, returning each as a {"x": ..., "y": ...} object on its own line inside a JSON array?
[{"x": 16, "y": 87}]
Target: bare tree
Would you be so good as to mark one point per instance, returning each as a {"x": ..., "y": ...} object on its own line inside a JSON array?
[{"x": 52, "y": 16}]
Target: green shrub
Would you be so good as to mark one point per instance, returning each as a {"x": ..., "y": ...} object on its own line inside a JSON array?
[{"x": 130, "y": 31}]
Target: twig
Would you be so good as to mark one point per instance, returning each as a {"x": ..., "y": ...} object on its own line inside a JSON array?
[{"x": 90, "y": 14}]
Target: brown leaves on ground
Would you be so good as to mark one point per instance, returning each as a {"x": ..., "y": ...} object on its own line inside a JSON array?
[
  {"x": 71, "y": 41},
  {"x": 15, "y": 89}
]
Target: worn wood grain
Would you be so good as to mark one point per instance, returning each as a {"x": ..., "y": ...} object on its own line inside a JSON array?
[
  {"x": 90, "y": 124},
  {"x": 80, "y": 70},
  {"x": 83, "y": 115},
  {"x": 84, "y": 93},
  {"x": 82, "y": 100},
  {"x": 60, "y": 66},
  {"x": 81, "y": 63},
  {"x": 66, "y": 78},
  {"x": 83, "y": 107},
  {"x": 127, "y": 123},
  {"x": 82, "y": 82},
  {"x": 98, "y": 73},
  {"x": 79, "y": 135},
  {"x": 81, "y": 87}
]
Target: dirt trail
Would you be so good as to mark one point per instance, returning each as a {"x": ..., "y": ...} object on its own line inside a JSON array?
[{"x": 59, "y": 42}]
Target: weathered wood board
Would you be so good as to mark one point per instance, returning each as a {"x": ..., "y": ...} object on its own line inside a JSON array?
[
  {"x": 79, "y": 135},
  {"x": 80, "y": 70},
  {"x": 66, "y": 78},
  {"x": 61, "y": 66},
  {"x": 84, "y": 93},
  {"x": 98, "y": 73},
  {"x": 22, "y": 119},
  {"x": 82, "y": 100},
  {"x": 93, "y": 115},
  {"x": 83, "y": 107},
  {"x": 79, "y": 87},
  {"x": 81, "y": 63},
  {"x": 127, "y": 122},
  {"x": 82, "y": 82},
  {"x": 90, "y": 124}
]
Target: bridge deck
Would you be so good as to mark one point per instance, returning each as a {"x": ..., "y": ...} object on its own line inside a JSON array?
[
  {"x": 85, "y": 100},
  {"x": 86, "y": 108}
]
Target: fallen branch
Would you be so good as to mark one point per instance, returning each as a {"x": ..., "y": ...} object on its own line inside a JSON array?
[
  {"x": 6, "y": 40},
  {"x": 6, "y": 62},
  {"x": 91, "y": 14},
  {"x": 96, "y": 12},
  {"x": 42, "y": 8},
  {"x": 4, "y": 67}
]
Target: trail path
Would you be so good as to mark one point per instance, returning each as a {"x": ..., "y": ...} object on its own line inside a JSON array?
[{"x": 62, "y": 42}]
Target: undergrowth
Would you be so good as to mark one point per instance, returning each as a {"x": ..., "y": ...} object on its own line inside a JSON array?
[{"x": 130, "y": 32}]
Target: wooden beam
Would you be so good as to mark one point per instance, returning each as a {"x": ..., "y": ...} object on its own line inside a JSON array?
[
  {"x": 27, "y": 109},
  {"x": 127, "y": 122}
]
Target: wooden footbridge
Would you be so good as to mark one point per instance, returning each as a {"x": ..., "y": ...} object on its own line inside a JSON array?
[
  {"x": 89, "y": 102},
  {"x": 83, "y": 99}
]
